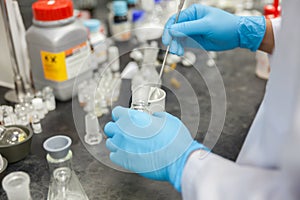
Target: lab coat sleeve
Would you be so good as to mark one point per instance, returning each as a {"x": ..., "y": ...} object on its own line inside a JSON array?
[
  {"x": 215, "y": 178},
  {"x": 276, "y": 23}
]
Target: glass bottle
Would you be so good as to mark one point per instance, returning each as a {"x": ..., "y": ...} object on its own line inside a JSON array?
[
  {"x": 49, "y": 98},
  {"x": 120, "y": 25},
  {"x": 97, "y": 42},
  {"x": 39, "y": 107},
  {"x": 64, "y": 183},
  {"x": 36, "y": 124},
  {"x": 16, "y": 186}
]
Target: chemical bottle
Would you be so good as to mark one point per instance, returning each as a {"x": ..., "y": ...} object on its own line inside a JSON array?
[
  {"x": 58, "y": 48},
  {"x": 120, "y": 25},
  {"x": 132, "y": 4},
  {"x": 97, "y": 42}
]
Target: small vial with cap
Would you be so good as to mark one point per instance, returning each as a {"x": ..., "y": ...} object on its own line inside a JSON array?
[
  {"x": 36, "y": 124},
  {"x": 120, "y": 24},
  {"x": 9, "y": 117},
  {"x": 49, "y": 98},
  {"x": 38, "y": 106},
  {"x": 97, "y": 41}
]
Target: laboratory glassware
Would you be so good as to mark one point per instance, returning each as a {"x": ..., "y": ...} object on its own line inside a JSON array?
[
  {"x": 16, "y": 186},
  {"x": 64, "y": 183}
]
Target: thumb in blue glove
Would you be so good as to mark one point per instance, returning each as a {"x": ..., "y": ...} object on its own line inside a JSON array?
[
  {"x": 154, "y": 146},
  {"x": 213, "y": 29}
]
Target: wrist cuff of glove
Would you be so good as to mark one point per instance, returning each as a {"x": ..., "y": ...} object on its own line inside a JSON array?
[
  {"x": 251, "y": 31},
  {"x": 176, "y": 169}
]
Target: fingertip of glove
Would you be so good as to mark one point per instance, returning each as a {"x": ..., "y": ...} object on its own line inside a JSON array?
[
  {"x": 180, "y": 51},
  {"x": 108, "y": 129},
  {"x": 110, "y": 146},
  {"x": 112, "y": 157}
]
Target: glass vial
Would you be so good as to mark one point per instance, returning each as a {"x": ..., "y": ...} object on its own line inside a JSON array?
[
  {"x": 16, "y": 186},
  {"x": 64, "y": 183},
  {"x": 36, "y": 124},
  {"x": 49, "y": 98},
  {"x": 38, "y": 106}
]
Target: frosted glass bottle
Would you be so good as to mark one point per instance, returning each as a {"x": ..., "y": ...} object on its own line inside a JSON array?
[
  {"x": 64, "y": 184},
  {"x": 16, "y": 186}
]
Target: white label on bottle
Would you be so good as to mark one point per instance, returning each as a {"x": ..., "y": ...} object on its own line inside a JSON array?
[{"x": 121, "y": 31}]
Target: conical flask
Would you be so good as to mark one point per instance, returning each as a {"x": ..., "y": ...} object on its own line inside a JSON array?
[{"x": 64, "y": 184}]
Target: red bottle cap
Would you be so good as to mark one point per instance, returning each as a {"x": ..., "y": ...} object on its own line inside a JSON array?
[
  {"x": 52, "y": 10},
  {"x": 270, "y": 11}
]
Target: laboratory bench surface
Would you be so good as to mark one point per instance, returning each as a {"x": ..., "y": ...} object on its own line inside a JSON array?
[{"x": 244, "y": 92}]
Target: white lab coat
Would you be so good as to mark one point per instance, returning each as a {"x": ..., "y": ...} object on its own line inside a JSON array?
[{"x": 268, "y": 166}]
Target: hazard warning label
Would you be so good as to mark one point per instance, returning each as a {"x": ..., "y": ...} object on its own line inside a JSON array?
[{"x": 62, "y": 66}]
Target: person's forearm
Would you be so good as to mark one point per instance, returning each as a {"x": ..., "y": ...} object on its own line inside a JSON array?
[{"x": 267, "y": 44}]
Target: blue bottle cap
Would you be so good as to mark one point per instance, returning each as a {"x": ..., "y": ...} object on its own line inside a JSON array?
[
  {"x": 92, "y": 24},
  {"x": 131, "y": 1},
  {"x": 157, "y": 1},
  {"x": 137, "y": 15},
  {"x": 120, "y": 8}
]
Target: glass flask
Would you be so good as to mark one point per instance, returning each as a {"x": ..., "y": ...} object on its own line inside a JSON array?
[
  {"x": 16, "y": 186},
  {"x": 64, "y": 183}
]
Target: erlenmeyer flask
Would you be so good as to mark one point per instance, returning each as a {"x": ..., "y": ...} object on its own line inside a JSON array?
[{"x": 64, "y": 184}]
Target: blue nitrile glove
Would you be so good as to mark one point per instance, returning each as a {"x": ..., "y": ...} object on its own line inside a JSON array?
[
  {"x": 213, "y": 29},
  {"x": 154, "y": 146}
]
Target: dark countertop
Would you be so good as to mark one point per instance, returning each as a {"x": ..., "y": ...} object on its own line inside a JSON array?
[{"x": 243, "y": 91}]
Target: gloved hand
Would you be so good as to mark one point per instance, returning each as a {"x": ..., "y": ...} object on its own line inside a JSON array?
[
  {"x": 213, "y": 29},
  {"x": 154, "y": 146}
]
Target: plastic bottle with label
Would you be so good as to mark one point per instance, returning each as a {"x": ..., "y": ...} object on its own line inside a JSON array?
[{"x": 58, "y": 48}]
